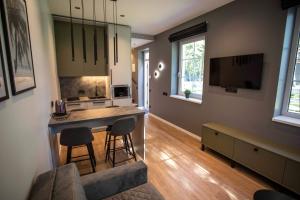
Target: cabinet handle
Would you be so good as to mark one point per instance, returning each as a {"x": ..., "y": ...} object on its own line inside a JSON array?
[
  {"x": 216, "y": 133},
  {"x": 255, "y": 149},
  {"x": 98, "y": 102},
  {"x": 73, "y": 104}
]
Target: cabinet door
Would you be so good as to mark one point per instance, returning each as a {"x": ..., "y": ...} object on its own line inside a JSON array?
[
  {"x": 262, "y": 161},
  {"x": 89, "y": 68},
  {"x": 67, "y": 67},
  {"x": 219, "y": 142},
  {"x": 292, "y": 176},
  {"x": 209, "y": 138},
  {"x": 121, "y": 72}
]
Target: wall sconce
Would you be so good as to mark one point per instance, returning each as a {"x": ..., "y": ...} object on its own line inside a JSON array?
[
  {"x": 156, "y": 74},
  {"x": 161, "y": 66}
]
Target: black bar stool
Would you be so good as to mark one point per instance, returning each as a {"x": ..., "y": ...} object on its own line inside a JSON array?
[
  {"x": 74, "y": 137},
  {"x": 121, "y": 128}
]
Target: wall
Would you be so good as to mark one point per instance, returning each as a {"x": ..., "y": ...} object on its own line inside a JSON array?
[
  {"x": 241, "y": 27},
  {"x": 25, "y": 150}
]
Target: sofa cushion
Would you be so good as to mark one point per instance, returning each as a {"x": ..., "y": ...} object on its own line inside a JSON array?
[
  {"x": 143, "y": 192},
  {"x": 60, "y": 184}
]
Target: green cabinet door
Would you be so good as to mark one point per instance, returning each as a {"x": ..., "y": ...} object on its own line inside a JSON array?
[{"x": 68, "y": 68}]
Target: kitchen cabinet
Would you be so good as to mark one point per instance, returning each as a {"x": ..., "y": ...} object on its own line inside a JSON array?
[
  {"x": 121, "y": 72},
  {"x": 68, "y": 68},
  {"x": 292, "y": 176}
]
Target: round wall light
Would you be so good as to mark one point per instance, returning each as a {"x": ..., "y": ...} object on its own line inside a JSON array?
[
  {"x": 156, "y": 74},
  {"x": 161, "y": 66}
]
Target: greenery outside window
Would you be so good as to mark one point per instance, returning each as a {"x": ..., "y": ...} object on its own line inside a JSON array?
[{"x": 191, "y": 66}]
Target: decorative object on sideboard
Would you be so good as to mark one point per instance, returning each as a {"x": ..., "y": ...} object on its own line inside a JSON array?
[
  {"x": 18, "y": 45},
  {"x": 3, "y": 84},
  {"x": 187, "y": 93}
]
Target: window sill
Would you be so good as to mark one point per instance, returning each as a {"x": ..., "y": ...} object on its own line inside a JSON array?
[
  {"x": 192, "y": 100},
  {"x": 287, "y": 120}
]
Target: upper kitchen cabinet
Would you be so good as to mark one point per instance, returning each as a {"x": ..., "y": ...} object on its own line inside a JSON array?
[
  {"x": 121, "y": 72},
  {"x": 67, "y": 67}
]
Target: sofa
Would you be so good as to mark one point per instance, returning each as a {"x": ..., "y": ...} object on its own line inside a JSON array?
[{"x": 127, "y": 182}]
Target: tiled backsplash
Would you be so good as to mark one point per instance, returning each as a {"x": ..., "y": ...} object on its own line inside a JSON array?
[{"x": 82, "y": 86}]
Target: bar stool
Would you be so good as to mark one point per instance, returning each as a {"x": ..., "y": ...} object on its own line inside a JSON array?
[
  {"x": 108, "y": 128},
  {"x": 270, "y": 195},
  {"x": 121, "y": 128},
  {"x": 74, "y": 137}
]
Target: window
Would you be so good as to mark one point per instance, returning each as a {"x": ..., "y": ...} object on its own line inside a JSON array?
[
  {"x": 191, "y": 66},
  {"x": 291, "y": 101}
]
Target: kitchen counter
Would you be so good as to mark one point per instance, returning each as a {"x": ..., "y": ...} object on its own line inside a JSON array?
[
  {"x": 97, "y": 118},
  {"x": 87, "y": 99}
]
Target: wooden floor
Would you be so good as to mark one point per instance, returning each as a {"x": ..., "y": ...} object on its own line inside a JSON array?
[{"x": 179, "y": 169}]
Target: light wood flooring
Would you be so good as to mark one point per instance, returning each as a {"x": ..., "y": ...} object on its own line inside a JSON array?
[{"x": 179, "y": 169}]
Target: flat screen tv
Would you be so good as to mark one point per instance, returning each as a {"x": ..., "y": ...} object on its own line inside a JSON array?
[{"x": 243, "y": 71}]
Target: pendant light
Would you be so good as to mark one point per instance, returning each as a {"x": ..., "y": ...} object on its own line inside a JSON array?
[
  {"x": 105, "y": 33},
  {"x": 115, "y": 21},
  {"x": 83, "y": 33},
  {"x": 72, "y": 32},
  {"x": 95, "y": 35}
]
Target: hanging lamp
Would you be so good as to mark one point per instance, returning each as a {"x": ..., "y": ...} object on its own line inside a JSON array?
[
  {"x": 72, "y": 32},
  {"x": 95, "y": 35},
  {"x": 115, "y": 21},
  {"x": 105, "y": 33},
  {"x": 83, "y": 33}
]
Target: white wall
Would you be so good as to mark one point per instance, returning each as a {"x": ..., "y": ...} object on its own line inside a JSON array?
[{"x": 24, "y": 146}]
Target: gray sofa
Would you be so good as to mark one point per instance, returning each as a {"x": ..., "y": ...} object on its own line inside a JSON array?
[{"x": 121, "y": 183}]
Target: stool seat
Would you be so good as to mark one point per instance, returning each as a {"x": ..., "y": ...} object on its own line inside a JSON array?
[
  {"x": 270, "y": 195},
  {"x": 76, "y": 136},
  {"x": 73, "y": 137}
]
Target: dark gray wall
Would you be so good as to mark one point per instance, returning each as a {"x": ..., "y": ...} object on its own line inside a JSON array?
[{"x": 241, "y": 27}]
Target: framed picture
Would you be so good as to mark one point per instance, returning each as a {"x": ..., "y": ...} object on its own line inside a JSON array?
[
  {"x": 18, "y": 45},
  {"x": 3, "y": 83}
]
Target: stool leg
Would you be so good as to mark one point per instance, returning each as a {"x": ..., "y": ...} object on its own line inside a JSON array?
[
  {"x": 114, "y": 152},
  {"x": 106, "y": 138},
  {"x": 133, "y": 152},
  {"x": 91, "y": 156},
  {"x": 69, "y": 154},
  {"x": 108, "y": 148},
  {"x": 125, "y": 143}
]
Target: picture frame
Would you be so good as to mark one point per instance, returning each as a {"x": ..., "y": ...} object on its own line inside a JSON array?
[
  {"x": 3, "y": 82},
  {"x": 18, "y": 45}
]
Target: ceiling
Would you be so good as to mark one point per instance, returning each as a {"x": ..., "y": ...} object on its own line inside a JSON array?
[{"x": 144, "y": 16}]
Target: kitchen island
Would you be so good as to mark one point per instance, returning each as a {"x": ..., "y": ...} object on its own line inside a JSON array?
[{"x": 97, "y": 118}]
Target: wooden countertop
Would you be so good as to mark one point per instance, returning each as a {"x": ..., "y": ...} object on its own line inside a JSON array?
[
  {"x": 283, "y": 150},
  {"x": 97, "y": 114}
]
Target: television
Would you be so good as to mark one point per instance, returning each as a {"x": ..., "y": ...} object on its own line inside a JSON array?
[{"x": 244, "y": 71}]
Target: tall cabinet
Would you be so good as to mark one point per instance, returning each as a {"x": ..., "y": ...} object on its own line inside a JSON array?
[{"x": 120, "y": 74}]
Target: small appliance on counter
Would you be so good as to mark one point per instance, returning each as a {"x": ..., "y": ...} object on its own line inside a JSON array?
[{"x": 60, "y": 108}]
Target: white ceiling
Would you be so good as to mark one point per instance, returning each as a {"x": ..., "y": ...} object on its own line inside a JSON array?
[
  {"x": 137, "y": 42},
  {"x": 144, "y": 16}
]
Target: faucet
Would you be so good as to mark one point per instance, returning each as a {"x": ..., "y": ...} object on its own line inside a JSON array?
[{"x": 96, "y": 91}]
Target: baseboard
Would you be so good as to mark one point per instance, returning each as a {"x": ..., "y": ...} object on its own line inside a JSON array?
[{"x": 175, "y": 126}]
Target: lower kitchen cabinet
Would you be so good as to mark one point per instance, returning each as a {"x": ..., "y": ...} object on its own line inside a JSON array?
[
  {"x": 291, "y": 178},
  {"x": 278, "y": 163}
]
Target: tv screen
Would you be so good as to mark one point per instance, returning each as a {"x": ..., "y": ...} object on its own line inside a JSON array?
[{"x": 237, "y": 71}]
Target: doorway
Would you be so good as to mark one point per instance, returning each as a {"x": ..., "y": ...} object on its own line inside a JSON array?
[{"x": 146, "y": 79}]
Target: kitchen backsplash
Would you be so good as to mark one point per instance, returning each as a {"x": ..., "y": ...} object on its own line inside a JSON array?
[{"x": 83, "y": 86}]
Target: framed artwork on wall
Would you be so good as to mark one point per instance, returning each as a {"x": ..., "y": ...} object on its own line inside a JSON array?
[
  {"x": 18, "y": 45},
  {"x": 3, "y": 84}
]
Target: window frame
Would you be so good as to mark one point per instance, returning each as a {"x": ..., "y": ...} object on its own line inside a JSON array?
[
  {"x": 291, "y": 68},
  {"x": 181, "y": 43}
]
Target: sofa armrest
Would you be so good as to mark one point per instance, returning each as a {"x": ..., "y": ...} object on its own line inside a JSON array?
[{"x": 112, "y": 181}]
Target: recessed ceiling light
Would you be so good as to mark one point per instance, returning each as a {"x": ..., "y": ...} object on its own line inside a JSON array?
[{"x": 122, "y": 15}]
